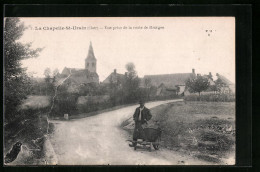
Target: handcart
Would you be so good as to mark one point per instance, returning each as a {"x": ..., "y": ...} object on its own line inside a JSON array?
[{"x": 152, "y": 139}]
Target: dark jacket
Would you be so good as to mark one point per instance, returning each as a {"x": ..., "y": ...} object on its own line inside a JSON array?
[{"x": 146, "y": 115}]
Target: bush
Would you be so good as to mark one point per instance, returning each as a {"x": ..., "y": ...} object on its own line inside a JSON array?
[
  {"x": 65, "y": 103},
  {"x": 211, "y": 97},
  {"x": 92, "y": 106}
]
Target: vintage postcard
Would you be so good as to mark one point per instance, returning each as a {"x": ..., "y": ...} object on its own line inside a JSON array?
[{"x": 119, "y": 91}]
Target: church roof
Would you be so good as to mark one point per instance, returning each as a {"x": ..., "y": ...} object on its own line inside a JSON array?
[
  {"x": 77, "y": 71},
  {"x": 91, "y": 52}
]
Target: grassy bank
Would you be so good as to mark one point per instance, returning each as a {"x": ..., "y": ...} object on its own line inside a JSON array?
[
  {"x": 29, "y": 128},
  {"x": 201, "y": 129},
  {"x": 211, "y": 97}
]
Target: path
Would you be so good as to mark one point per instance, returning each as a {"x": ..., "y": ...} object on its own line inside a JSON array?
[{"x": 98, "y": 140}]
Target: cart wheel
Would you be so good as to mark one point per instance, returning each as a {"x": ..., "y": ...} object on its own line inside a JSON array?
[
  {"x": 150, "y": 149},
  {"x": 156, "y": 146}
]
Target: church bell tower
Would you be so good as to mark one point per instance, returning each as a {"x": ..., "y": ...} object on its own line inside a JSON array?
[{"x": 91, "y": 61}]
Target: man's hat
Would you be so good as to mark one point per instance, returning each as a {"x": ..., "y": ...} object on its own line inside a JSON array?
[{"x": 141, "y": 101}]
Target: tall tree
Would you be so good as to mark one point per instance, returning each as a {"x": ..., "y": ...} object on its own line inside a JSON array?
[
  {"x": 131, "y": 84},
  {"x": 198, "y": 84},
  {"x": 147, "y": 82},
  {"x": 47, "y": 74},
  {"x": 219, "y": 84},
  {"x": 55, "y": 72},
  {"x": 15, "y": 79},
  {"x": 148, "y": 85}
]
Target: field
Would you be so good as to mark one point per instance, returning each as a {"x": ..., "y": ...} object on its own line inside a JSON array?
[
  {"x": 205, "y": 130},
  {"x": 35, "y": 102}
]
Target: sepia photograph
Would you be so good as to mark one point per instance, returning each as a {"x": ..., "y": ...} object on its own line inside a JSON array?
[{"x": 119, "y": 91}]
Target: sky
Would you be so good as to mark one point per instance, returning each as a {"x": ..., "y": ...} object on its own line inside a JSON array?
[{"x": 156, "y": 45}]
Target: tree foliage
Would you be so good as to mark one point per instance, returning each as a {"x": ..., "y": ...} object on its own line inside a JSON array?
[
  {"x": 219, "y": 84},
  {"x": 15, "y": 79},
  {"x": 55, "y": 72},
  {"x": 198, "y": 84},
  {"x": 147, "y": 82},
  {"x": 47, "y": 74},
  {"x": 131, "y": 85}
]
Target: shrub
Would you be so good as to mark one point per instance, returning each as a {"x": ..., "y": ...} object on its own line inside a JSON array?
[
  {"x": 91, "y": 106},
  {"x": 65, "y": 103}
]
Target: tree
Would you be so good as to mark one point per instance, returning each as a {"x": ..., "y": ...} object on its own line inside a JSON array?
[
  {"x": 55, "y": 72},
  {"x": 148, "y": 84},
  {"x": 198, "y": 84},
  {"x": 49, "y": 86},
  {"x": 131, "y": 73},
  {"x": 47, "y": 74},
  {"x": 15, "y": 79},
  {"x": 219, "y": 84},
  {"x": 131, "y": 85}
]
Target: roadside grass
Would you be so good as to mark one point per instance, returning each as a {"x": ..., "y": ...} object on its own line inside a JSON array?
[
  {"x": 211, "y": 97},
  {"x": 205, "y": 130},
  {"x": 30, "y": 133},
  {"x": 29, "y": 128}
]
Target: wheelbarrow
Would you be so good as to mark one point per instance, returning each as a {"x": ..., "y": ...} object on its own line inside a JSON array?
[{"x": 152, "y": 139}]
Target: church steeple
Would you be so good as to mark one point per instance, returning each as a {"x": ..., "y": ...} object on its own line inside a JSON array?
[
  {"x": 91, "y": 52},
  {"x": 91, "y": 61}
]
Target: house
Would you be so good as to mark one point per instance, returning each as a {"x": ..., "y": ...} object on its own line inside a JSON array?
[
  {"x": 228, "y": 87},
  {"x": 79, "y": 76},
  {"x": 115, "y": 78},
  {"x": 171, "y": 82},
  {"x": 162, "y": 90}
]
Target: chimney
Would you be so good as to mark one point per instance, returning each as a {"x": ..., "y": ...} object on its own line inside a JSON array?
[
  {"x": 210, "y": 74},
  {"x": 193, "y": 71},
  {"x": 114, "y": 71},
  {"x": 216, "y": 74}
]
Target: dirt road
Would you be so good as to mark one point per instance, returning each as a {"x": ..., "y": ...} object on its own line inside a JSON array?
[{"x": 98, "y": 140}]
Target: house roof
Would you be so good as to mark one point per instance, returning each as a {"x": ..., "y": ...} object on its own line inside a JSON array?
[
  {"x": 115, "y": 77},
  {"x": 74, "y": 70},
  {"x": 224, "y": 79},
  {"x": 169, "y": 88},
  {"x": 169, "y": 80}
]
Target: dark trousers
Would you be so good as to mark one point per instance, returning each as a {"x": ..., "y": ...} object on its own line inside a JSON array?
[{"x": 138, "y": 131}]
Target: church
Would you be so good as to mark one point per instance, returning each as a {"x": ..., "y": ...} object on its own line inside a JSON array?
[{"x": 81, "y": 76}]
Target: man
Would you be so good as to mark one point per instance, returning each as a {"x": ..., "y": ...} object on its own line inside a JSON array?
[{"x": 141, "y": 116}]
